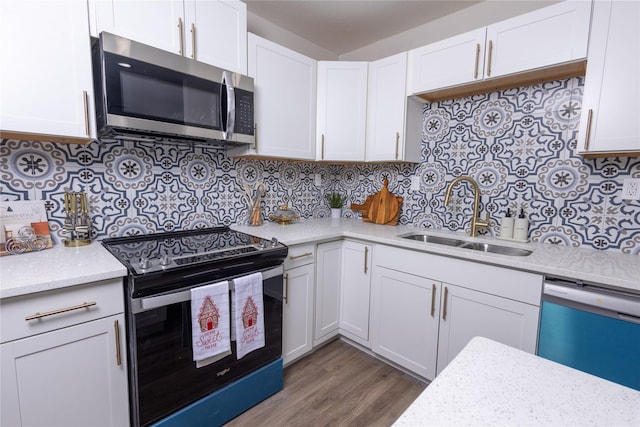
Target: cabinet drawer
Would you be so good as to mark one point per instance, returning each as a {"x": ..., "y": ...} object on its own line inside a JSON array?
[
  {"x": 59, "y": 308},
  {"x": 300, "y": 255}
]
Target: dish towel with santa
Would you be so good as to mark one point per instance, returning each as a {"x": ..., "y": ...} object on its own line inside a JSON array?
[
  {"x": 210, "y": 323},
  {"x": 248, "y": 313}
]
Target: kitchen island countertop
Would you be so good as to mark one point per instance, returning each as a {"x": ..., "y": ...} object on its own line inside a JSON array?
[
  {"x": 489, "y": 383},
  {"x": 611, "y": 269}
]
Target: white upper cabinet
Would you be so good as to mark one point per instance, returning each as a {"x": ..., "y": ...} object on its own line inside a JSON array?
[
  {"x": 611, "y": 101},
  {"x": 285, "y": 101},
  {"x": 342, "y": 110},
  {"x": 547, "y": 37},
  {"x": 449, "y": 62},
  {"x": 46, "y": 86},
  {"x": 210, "y": 31},
  {"x": 393, "y": 120},
  {"x": 218, "y": 33}
]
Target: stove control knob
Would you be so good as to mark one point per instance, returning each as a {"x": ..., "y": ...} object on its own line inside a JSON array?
[
  {"x": 261, "y": 245},
  {"x": 144, "y": 263},
  {"x": 165, "y": 260},
  {"x": 274, "y": 242}
]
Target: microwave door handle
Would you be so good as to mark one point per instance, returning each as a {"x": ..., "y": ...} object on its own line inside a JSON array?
[{"x": 231, "y": 105}]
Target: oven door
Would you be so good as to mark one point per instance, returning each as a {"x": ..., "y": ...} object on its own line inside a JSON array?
[{"x": 164, "y": 377}]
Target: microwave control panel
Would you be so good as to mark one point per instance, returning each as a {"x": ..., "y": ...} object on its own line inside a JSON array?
[{"x": 244, "y": 112}]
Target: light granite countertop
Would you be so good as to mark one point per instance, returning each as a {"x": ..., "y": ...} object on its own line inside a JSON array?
[
  {"x": 491, "y": 384},
  {"x": 610, "y": 269},
  {"x": 58, "y": 267}
]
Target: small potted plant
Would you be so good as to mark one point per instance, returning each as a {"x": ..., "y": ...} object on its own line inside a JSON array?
[{"x": 336, "y": 201}]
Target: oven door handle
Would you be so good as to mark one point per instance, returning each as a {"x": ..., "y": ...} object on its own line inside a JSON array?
[{"x": 182, "y": 296}]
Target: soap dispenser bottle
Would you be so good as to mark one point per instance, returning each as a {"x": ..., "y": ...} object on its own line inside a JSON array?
[
  {"x": 521, "y": 227},
  {"x": 506, "y": 226}
]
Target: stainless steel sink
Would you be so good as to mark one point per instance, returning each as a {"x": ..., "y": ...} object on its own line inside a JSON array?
[
  {"x": 476, "y": 246},
  {"x": 426, "y": 238},
  {"x": 495, "y": 249}
]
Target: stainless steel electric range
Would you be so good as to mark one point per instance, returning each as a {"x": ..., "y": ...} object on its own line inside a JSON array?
[{"x": 166, "y": 388}]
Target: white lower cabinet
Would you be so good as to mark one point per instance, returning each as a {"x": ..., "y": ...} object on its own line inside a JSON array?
[
  {"x": 297, "y": 316},
  {"x": 467, "y": 313},
  {"x": 425, "y": 308},
  {"x": 68, "y": 365},
  {"x": 328, "y": 272},
  {"x": 355, "y": 287},
  {"x": 404, "y": 319}
]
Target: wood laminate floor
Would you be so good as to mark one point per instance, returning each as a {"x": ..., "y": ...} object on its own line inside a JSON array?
[{"x": 338, "y": 385}]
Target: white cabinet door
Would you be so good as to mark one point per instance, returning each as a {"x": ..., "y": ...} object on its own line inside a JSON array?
[
  {"x": 342, "y": 110},
  {"x": 467, "y": 313},
  {"x": 216, "y": 33},
  {"x": 68, "y": 377},
  {"x": 328, "y": 272},
  {"x": 611, "y": 100},
  {"x": 355, "y": 288},
  {"x": 285, "y": 101},
  {"x": 158, "y": 23},
  {"x": 46, "y": 86},
  {"x": 551, "y": 35},
  {"x": 448, "y": 62},
  {"x": 404, "y": 319},
  {"x": 392, "y": 134},
  {"x": 297, "y": 320},
  {"x": 209, "y": 31}
]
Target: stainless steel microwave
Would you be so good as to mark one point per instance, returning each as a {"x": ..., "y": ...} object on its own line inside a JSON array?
[{"x": 148, "y": 94}]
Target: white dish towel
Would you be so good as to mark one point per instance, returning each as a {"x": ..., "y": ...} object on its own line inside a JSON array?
[
  {"x": 248, "y": 313},
  {"x": 210, "y": 323}
]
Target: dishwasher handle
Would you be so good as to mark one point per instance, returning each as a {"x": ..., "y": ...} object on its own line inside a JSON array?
[{"x": 623, "y": 304}]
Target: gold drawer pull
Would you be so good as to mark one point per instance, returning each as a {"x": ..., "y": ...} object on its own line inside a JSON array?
[
  {"x": 300, "y": 256},
  {"x": 60, "y": 311}
]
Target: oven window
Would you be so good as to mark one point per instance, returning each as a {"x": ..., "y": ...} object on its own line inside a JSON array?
[{"x": 167, "y": 377}]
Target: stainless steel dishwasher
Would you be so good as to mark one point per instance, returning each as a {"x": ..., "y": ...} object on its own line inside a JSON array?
[{"x": 592, "y": 329}]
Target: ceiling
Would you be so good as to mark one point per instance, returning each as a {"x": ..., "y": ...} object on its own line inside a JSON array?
[{"x": 343, "y": 26}]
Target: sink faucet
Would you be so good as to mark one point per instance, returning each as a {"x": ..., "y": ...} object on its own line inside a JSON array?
[{"x": 475, "y": 219}]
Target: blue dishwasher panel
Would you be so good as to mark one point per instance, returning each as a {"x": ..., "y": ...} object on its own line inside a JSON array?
[{"x": 603, "y": 346}]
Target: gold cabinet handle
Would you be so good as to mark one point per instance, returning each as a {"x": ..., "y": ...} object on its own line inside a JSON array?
[
  {"x": 490, "y": 53},
  {"x": 193, "y": 40},
  {"x": 116, "y": 326},
  {"x": 397, "y": 143},
  {"x": 292, "y": 257},
  {"x": 444, "y": 306},
  {"x": 433, "y": 299},
  {"x": 181, "y": 37},
  {"x": 366, "y": 254},
  {"x": 85, "y": 97},
  {"x": 475, "y": 73},
  {"x": 286, "y": 289},
  {"x": 61, "y": 310},
  {"x": 322, "y": 148},
  {"x": 587, "y": 138}
]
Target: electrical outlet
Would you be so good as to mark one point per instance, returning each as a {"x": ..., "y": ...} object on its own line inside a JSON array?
[
  {"x": 631, "y": 189},
  {"x": 317, "y": 180},
  {"x": 415, "y": 183}
]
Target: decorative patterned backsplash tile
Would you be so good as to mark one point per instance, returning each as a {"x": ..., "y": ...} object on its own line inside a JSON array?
[{"x": 519, "y": 145}]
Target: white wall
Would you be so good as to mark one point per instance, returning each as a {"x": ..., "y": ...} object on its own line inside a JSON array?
[{"x": 276, "y": 34}]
